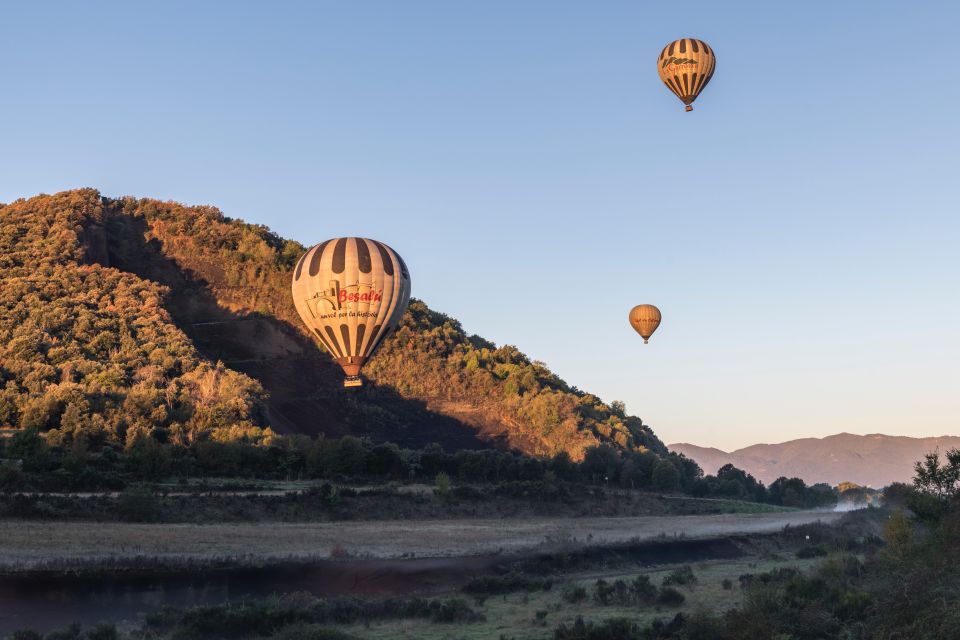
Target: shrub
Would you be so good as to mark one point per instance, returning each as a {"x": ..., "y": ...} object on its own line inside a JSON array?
[
  {"x": 670, "y": 597},
  {"x": 614, "y": 629},
  {"x": 508, "y": 583},
  {"x": 811, "y": 552},
  {"x": 137, "y": 504},
  {"x": 643, "y": 590},
  {"x": 682, "y": 576},
  {"x": 574, "y": 593},
  {"x": 442, "y": 483},
  {"x": 454, "y": 610},
  {"x": 301, "y": 631}
]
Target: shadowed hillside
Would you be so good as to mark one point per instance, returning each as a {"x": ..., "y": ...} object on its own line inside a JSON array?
[{"x": 175, "y": 321}]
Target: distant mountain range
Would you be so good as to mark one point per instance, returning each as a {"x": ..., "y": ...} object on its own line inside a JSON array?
[{"x": 873, "y": 460}]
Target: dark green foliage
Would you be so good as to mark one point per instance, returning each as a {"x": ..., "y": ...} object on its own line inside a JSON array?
[
  {"x": 896, "y": 495},
  {"x": 639, "y": 591},
  {"x": 137, "y": 504},
  {"x": 302, "y": 631},
  {"x": 102, "y": 631},
  {"x": 806, "y": 553},
  {"x": 794, "y": 492},
  {"x": 615, "y": 629},
  {"x": 730, "y": 482},
  {"x": 508, "y": 583},
  {"x": 670, "y": 597},
  {"x": 680, "y": 577},
  {"x": 574, "y": 593},
  {"x": 940, "y": 479},
  {"x": 301, "y": 613},
  {"x": 665, "y": 476},
  {"x": 622, "y": 629}
]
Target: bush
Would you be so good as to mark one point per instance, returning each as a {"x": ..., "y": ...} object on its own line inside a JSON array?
[
  {"x": 442, "y": 484},
  {"x": 811, "y": 552},
  {"x": 508, "y": 583},
  {"x": 615, "y": 629},
  {"x": 574, "y": 593},
  {"x": 301, "y": 631},
  {"x": 454, "y": 610},
  {"x": 637, "y": 592},
  {"x": 643, "y": 590},
  {"x": 682, "y": 576},
  {"x": 137, "y": 504},
  {"x": 670, "y": 597}
]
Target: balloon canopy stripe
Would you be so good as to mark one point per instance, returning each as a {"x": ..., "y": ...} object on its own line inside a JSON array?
[
  {"x": 296, "y": 273},
  {"x": 345, "y": 333},
  {"x": 316, "y": 257},
  {"x": 340, "y": 255},
  {"x": 363, "y": 255},
  {"x": 333, "y": 341},
  {"x": 361, "y": 329},
  {"x": 385, "y": 257}
]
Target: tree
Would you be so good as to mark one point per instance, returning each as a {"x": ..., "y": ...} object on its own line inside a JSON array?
[
  {"x": 940, "y": 480},
  {"x": 665, "y": 476},
  {"x": 896, "y": 494},
  {"x": 898, "y": 534}
]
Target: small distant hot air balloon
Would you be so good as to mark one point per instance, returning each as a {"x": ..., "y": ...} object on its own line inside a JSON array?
[
  {"x": 686, "y": 66},
  {"x": 645, "y": 318},
  {"x": 351, "y": 293}
]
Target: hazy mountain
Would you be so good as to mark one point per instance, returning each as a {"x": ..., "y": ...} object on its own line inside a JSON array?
[
  {"x": 875, "y": 460},
  {"x": 132, "y": 317}
]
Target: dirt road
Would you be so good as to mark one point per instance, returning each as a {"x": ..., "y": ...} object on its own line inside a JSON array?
[{"x": 25, "y": 545}]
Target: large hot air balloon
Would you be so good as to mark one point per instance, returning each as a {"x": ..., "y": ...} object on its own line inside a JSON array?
[
  {"x": 686, "y": 66},
  {"x": 351, "y": 292},
  {"x": 645, "y": 318}
]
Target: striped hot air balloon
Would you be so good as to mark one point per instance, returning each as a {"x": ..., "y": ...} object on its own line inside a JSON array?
[
  {"x": 645, "y": 318},
  {"x": 686, "y": 66},
  {"x": 351, "y": 293}
]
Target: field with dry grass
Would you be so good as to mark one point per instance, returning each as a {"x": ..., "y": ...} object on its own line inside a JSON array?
[{"x": 37, "y": 544}]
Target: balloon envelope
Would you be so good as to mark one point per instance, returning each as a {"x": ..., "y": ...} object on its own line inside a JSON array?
[
  {"x": 645, "y": 318},
  {"x": 686, "y": 66},
  {"x": 351, "y": 293}
]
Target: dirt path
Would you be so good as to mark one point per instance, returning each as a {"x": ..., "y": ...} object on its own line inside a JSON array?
[{"x": 31, "y": 544}]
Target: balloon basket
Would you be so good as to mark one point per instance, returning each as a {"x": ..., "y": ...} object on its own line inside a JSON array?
[
  {"x": 352, "y": 381},
  {"x": 689, "y": 108}
]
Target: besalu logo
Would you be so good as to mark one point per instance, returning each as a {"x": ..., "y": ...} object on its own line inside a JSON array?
[{"x": 337, "y": 298}]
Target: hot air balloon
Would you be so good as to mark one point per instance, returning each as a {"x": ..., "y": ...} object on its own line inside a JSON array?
[
  {"x": 686, "y": 66},
  {"x": 645, "y": 318},
  {"x": 351, "y": 292}
]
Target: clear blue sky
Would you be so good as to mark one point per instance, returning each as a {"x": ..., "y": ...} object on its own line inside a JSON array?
[{"x": 800, "y": 229}]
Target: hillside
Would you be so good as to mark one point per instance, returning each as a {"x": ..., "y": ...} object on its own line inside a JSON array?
[
  {"x": 129, "y": 317},
  {"x": 873, "y": 460}
]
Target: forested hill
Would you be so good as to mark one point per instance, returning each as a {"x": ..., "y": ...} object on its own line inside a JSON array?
[{"x": 125, "y": 318}]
